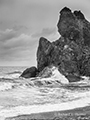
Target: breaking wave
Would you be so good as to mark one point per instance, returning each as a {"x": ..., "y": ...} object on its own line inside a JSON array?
[
  {"x": 18, "y": 94},
  {"x": 11, "y": 75},
  {"x": 6, "y": 86},
  {"x": 13, "y": 80}
]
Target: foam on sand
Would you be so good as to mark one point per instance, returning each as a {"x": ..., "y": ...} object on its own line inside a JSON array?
[{"x": 22, "y": 110}]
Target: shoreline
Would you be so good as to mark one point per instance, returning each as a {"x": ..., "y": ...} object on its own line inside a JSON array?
[
  {"x": 74, "y": 114},
  {"x": 38, "y": 109}
]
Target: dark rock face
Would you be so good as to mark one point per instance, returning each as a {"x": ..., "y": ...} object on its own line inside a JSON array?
[
  {"x": 29, "y": 72},
  {"x": 61, "y": 53},
  {"x": 71, "y": 52},
  {"x": 46, "y": 72},
  {"x": 74, "y": 26},
  {"x": 43, "y": 53}
]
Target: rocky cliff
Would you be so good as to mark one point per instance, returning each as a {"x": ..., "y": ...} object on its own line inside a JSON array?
[{"x": 71, "y": 52}]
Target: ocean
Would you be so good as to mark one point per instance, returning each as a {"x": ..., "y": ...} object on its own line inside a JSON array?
[{"x": 19, "y": 96}]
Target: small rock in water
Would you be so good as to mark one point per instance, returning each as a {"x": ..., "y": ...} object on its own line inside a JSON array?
[{"x": 29, "y": 72}]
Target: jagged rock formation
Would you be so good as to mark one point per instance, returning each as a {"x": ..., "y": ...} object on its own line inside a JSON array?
[
  {"x": 74, "y": 26},
  {"x": 71, "y": 52}
]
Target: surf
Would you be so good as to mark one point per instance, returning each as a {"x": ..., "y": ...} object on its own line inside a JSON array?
[{"x": 19, "y": 96}]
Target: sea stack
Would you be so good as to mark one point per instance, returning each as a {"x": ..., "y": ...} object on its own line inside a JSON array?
[{"x": 71, "y": 52}]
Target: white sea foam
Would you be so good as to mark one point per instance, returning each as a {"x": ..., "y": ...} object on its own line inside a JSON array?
[
  {"x": 5, "y": 86},
  {"x": 29, "y": 93},
  {"x": 22, "y": 110},
  {"x": 56, "y": 75},
  {"x": 11, "y": 76},
  {"x": 80, "y": 99}
]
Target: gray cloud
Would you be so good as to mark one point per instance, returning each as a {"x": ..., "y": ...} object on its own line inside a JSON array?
[
  {"x": 7, "y": 34},
  {"x": 19, "y": 27},
  {"x": 45, "y": 32},
  {"x": 20, "y": 41},
  {"x": 16, "y": 48},
  {"x": 6, "y": 2}
]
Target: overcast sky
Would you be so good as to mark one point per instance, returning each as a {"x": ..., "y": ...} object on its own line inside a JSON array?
[{"x": 23, "y": 22}]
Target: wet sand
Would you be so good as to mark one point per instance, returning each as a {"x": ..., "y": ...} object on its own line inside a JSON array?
[{"x": 74, "y": 114}]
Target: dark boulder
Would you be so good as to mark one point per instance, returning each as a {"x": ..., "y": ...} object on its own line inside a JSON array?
[
  {"x": 73, "y": 78},
  {"x": 29, "y": 72}
]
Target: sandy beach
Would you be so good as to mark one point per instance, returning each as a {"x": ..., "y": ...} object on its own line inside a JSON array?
[{"x": 74, "y": 114}]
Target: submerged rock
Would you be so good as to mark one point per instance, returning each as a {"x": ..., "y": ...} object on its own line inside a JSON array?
[
  {"x": 52, "y": 73},
  {"x": 29, "y": 72},
  {"x": 46, "y": 72},
  {"x": 70, "y": 53}
]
